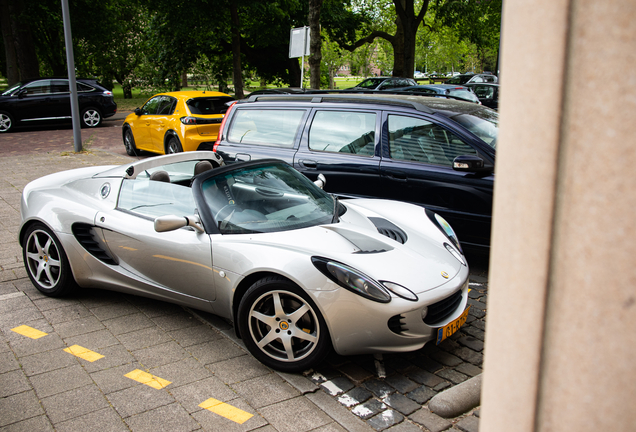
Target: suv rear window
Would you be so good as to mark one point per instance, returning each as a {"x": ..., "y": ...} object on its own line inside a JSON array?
[
  {"x": 271, "y": 127},
  {"x": 208, "y": 105}
]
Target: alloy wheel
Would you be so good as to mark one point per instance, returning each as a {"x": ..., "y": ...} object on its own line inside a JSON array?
[
  {"x": 43, "y": 259},
  {"x": 284, "y": 326}
]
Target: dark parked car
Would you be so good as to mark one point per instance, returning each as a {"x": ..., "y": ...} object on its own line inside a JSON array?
[
  {"x": 278, "y": 90},
  {"x": 383, "y": 83},
  {"x": 488, "y": 93},
  {"x": 45, "y": 100},
  {"x": 472, "y": 78},
  {"x": 438, "y": 153},
  {"x": 455, "y": 91}
]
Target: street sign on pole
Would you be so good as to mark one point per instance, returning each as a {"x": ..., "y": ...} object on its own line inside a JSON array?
[
  {"x": 299, "y": 47},
  {"x": 299, "y": 42}
]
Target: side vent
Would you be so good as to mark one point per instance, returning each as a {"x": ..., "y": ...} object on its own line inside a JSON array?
[
  {"x": 396, "y": 324},
  {"x": 389, "y": 229},
  {"x": 86, "y": 236}
]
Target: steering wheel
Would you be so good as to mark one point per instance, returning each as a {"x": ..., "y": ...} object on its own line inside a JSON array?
[{"x": 226, "y": 206}]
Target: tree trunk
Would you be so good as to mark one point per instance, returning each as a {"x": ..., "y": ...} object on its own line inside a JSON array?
[
  {"x": 236, "y": 52},
  {"x": 23, "y": 42},
  {"x": 184, "y": 79},
  {"x": 13, "y": 73},
  {"x": 315, "y": 44}
]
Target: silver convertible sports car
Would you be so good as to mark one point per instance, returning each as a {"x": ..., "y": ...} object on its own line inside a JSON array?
[{"x": 296, "y": 270}]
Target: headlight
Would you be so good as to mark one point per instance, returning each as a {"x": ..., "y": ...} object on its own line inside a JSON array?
[
  {"x": 445, "y": 228},
  {"x": 352, "y": 280}
]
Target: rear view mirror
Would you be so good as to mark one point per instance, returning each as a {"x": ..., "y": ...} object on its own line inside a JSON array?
[
  {"x": 321, "y": 182},
  {"x": 469, "y": 163},
  {"x": 138, "y": 111},
  {"x": 172, "y": 222}
]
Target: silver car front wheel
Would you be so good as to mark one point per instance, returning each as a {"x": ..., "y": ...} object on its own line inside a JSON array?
[{"x": 281, "y": 326}]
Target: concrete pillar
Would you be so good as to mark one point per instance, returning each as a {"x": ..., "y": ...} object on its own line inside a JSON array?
[{"x": 560, "y": 349}]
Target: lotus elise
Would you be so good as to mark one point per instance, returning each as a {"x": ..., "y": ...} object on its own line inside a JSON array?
[{"x": 298, "y": 271}]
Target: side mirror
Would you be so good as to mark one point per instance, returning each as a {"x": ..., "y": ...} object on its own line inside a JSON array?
[
  {"x": 21, "y": 94},
  {"x": 469, "y": 163},
  {"x": 173, "y": 222},
  {"x": 321, "y": 182},
  {"x": 138, "y": 111}
]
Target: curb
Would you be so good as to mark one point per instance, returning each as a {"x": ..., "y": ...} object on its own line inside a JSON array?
[{"x": 457, "y": 400}]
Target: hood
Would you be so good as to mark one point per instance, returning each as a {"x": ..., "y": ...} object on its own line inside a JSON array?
[{"x": 418, "y": 263}]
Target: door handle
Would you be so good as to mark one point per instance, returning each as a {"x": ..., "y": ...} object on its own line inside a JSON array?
[
  {"x": 397, "y": 177},
  {"x": 309, "y": 163}
]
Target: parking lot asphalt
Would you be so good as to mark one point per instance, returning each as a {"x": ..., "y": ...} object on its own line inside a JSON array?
[{"x": 101, "y": 360}]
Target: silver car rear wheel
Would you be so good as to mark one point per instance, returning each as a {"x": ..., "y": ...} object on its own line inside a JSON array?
[
  {"x": 46, "y": 263},
  {"x": 281, "y": 326}
]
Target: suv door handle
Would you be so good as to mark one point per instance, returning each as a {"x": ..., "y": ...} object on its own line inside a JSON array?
[
  {"x": 397, "y": 177},
  {"x": 309, "y": 163}
]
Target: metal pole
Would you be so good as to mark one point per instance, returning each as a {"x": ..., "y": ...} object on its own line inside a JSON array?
[{"x": 72, "y": 84}]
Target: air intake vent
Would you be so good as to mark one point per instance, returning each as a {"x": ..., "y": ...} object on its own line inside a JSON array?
[
  {"x": 86, "y": 237},
  {"x": 389, "y": 229},
  {"x": 443, "y": 309},
  {"x": 396, "y": 324}
]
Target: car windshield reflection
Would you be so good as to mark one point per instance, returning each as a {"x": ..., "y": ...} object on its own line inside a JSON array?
[
  {"x": 268, "y": 198},
  {"x": 483, "y": 123}
]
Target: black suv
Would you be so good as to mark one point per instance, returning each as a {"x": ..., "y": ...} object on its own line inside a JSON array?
[
  {"x": 433, "y": 152},
  {"x": 49, "y": 99}
]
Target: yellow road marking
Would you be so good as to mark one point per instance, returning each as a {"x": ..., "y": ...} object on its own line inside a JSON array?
[
  {"x": 228, "y": 411},
  {"x": 83, "y": 353},
  {"x": 29, "y": 332},
  {"x": 148, "y": 379}
]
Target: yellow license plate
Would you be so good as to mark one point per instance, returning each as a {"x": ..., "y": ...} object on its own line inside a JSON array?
[{"x": 452, "y": 327}]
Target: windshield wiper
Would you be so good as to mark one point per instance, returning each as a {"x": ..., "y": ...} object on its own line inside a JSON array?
[{"x": 334, "y": 219}]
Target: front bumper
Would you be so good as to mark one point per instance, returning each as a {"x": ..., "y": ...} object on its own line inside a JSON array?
[{"x": 361, "y": 326}]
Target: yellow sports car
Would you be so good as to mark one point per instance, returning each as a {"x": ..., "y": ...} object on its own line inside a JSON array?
[{"x": 175, "y": 122}]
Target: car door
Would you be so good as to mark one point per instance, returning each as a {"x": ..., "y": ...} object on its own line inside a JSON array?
[
  {"x": 175, "y": 264},
  {"x": 32, "y": 104},
  {"x": 158, "y": 123},
  {"x": 417, "y": 167},
  {"x": 341, "y": 145},
  {"x": 141, "y": 124},
  {"x": 59, "y": 101},
  {"x": 264, "y": 132}
]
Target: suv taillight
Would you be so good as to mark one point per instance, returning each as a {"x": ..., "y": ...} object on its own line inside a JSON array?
[{"x": 218, "y": 138}]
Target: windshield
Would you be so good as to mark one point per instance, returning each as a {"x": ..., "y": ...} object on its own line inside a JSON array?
[
  {"x": 484, "y": 123},
  {"x": 464, "y": 94},
  {"x": 459, "y": 79},
  {"x": 370, "y": 83},
  {"x": 269, "y": 198},
  {"x": 11, "y": 90}
]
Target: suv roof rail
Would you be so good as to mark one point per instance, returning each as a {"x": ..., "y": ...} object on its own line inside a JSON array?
[{"x": 319, "y": 96}]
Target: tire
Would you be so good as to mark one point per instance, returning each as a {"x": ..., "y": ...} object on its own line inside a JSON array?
[
  {"x": 91, "y": 117},
  {"x": 6, "y": 122},
  {"x": 173, "y": 145},
  {"x": 129, "y": 143},
  {"x": 274, "y": 335},
  {"x": 46, "y": 263}
]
